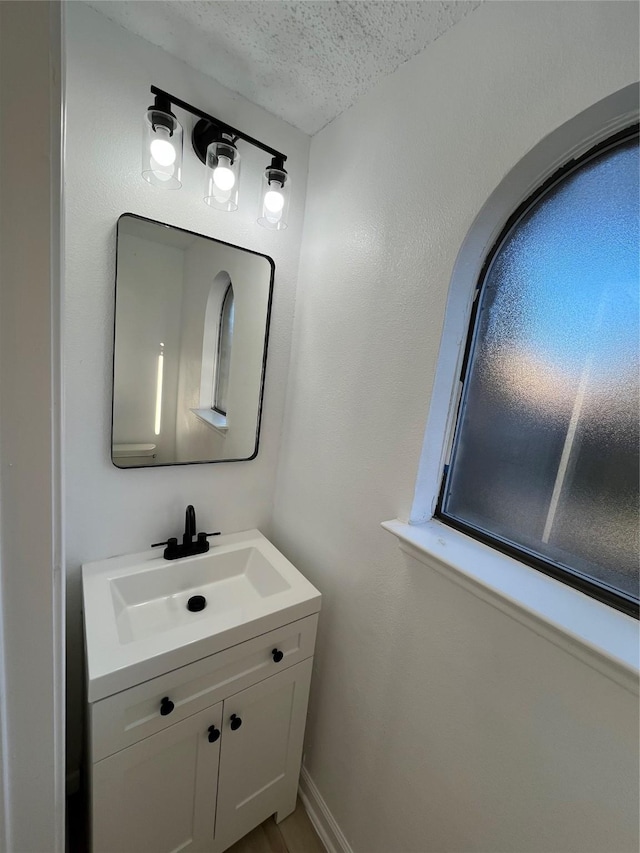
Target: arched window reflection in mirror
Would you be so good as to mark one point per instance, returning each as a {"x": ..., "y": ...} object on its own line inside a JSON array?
[
  {"x": 223, "y": 356},
  {"x": 216, "y": 346}
]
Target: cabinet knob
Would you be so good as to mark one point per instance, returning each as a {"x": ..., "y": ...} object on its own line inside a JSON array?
[
  {"x": 166, "y": 706},
  {"x": 214, "y": 734},
  {"x": 235, "y": 722},
  {"x": 277, "y": 655}
]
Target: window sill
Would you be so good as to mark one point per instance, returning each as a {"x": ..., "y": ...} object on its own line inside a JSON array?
[
  {"x": 595, "y": 633},
  {"x": 212, "y": 419}
]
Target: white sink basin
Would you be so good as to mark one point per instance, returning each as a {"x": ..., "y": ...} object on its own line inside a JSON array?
[
  {"x": 137, "y": 624},
  {"x": 155, "y": 600}
]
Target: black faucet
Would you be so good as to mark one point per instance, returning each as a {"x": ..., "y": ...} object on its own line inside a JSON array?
[
  {"x": 173, "y": 551},
  {"x": 189, "y": 526}
]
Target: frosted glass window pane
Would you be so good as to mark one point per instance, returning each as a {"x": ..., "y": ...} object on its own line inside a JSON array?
[{"x": 546, "y": 448}]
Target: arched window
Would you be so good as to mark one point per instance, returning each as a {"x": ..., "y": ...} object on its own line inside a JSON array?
[
  {"x": 544, "y": 458},
  {"x": 223, "y": 359}
]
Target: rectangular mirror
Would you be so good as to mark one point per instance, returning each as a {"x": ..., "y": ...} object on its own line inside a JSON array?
[{"x": 190, "y": 346}]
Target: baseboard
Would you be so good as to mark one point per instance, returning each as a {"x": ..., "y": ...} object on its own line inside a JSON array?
[{"x": 323, "y": 821}]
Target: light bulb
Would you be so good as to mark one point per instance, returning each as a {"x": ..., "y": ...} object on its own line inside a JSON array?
[
  {"x": 162, "y": 173},
  {"x": 223, "y": 175},
  {"x": 273, "y": 199},
  {"x": 162, "y": 150}
]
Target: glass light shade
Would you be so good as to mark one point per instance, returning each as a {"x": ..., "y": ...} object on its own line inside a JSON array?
[
  {"x": 274, "y": 209},
  {"x": 162, "y": 150},
  {"x": 223, "y": 175}
]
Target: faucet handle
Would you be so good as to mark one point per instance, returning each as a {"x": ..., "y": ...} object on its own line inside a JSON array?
[
  {"x": 172, "y": 542},
  {"x": 202, "y": 539}
]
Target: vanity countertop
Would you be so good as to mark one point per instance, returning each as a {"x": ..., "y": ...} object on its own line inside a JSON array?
[{"x": 137, "y": 623}]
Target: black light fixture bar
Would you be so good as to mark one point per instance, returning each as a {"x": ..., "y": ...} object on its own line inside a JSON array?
[{"x": 221, "y": 125}]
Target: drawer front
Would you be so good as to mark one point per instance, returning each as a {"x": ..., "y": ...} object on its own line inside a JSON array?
[{"x": 120, "y": 720}]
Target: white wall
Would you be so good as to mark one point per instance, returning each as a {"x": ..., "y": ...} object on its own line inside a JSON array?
[
  {"x": 437, "y": 723},
  {"x": 31, "y": 619},
  {"x": 112, "y": 511},
  {"x": 200, "y": 311}
]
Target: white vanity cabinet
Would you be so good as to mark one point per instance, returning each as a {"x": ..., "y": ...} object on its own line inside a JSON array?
[
  {"x": 194, "y": 759},
  {"x": 159, "y": 794},
  {"x": 260, "y": 761}
]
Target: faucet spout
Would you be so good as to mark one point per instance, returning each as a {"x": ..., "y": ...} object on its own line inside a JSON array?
[{"x": 189, "y": 525}]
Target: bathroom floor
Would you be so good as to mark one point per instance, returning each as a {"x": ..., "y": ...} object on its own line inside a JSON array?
[{"x": 295, "y": 834}]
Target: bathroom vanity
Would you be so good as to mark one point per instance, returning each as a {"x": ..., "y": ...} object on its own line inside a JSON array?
[{"x": 196, "y": 718}]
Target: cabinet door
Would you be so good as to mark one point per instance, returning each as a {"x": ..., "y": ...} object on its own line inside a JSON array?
[
  {"x": 159, "y": 795},
  {"x": 260, "y": 759}
]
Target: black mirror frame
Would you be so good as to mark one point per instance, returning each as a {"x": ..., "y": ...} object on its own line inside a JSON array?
[{"x": 264, "y": 353}]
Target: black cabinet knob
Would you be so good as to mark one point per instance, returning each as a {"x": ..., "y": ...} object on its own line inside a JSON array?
[
  {"x": 277, "y": 655},
  {"x": 214, "y": 734},
  {"x": 166, "y": 706},
  {"x": 235, "y": 722}
]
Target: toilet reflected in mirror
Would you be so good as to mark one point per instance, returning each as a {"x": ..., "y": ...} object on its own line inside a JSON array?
[{"x": 190, "y": 346}]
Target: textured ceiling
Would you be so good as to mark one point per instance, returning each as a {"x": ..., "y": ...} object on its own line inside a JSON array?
[{"x": 305, "y": 61}]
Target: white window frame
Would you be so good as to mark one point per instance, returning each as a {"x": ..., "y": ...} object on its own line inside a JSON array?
[
  {"x": 210, "y": 335},
  {"x": 589, "y": 629},
  {"x": 218, "y": 364}
]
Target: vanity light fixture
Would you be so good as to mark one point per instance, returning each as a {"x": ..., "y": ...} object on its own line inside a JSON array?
[
  {"x": 215, "y": 144},
  {"x": 162, "y": 146},
  {"x": 275, "y": 196},
  {"x": 223, "y": 173}
]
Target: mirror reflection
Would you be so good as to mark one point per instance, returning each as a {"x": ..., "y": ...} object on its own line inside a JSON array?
[{"x": 191, "y": 327}]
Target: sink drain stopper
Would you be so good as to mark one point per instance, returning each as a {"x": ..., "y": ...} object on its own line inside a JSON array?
[{"x": 196, "y": 603}]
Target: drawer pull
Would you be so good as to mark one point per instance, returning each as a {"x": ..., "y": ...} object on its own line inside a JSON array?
[
  {"x": 166, "y": 706},
  {"x": 277, "y": 655},
  {"x": 235, "y": 722},
  {"x": 214, "y": 734}
]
